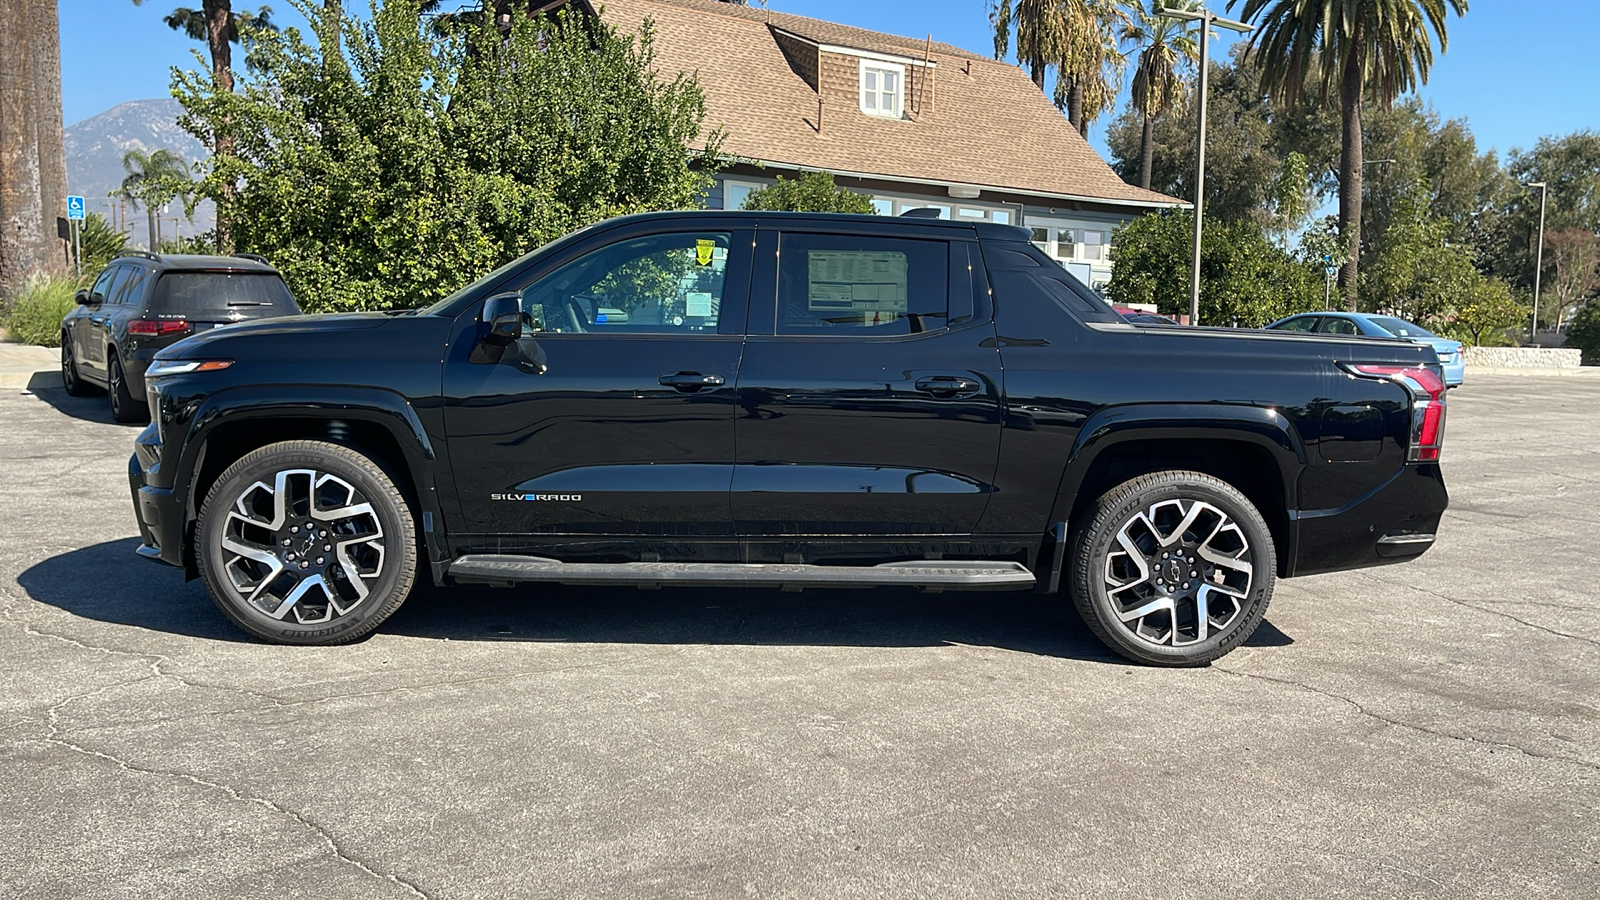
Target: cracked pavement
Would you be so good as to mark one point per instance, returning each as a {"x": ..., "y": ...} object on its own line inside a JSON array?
[{"x": 1423, "y": 730}]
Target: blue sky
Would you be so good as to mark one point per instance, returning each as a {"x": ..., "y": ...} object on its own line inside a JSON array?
[{"x": 1515, "y": 69}]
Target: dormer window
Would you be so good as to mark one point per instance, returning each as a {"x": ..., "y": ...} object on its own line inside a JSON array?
[{"x": 883, "y": 89}]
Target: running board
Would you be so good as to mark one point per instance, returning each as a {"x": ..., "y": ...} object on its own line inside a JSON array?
[{"x": 935, "y": 575}]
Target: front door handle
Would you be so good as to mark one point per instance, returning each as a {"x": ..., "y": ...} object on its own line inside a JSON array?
[
  {"x": 98, "y": 320},
  {"x": 689, "y": 382},
  {"x": 948, "y": 385}
]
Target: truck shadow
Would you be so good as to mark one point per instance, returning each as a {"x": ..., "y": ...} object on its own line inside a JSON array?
[{"x": 108, "y": 583}]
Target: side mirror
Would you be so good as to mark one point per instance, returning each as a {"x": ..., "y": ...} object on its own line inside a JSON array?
[
  {"x": 82, "y": 296},
  {"x": 503, "y": 314}
]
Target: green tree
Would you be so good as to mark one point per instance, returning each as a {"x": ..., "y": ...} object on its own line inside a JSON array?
[
  {"x": 811, "y": 192},
  {"x": 1570, "y": 165},
  {"x": 1166, "y": 48},
  {"x": 1077, "y": 37},
  {"x": 1376, "y": 49},
  {"x": 1245, "y": 279},
  {"x": 1584, "y": 334},
  {"x": 1485, "y": 308},
  {"x": 1573, "y": 262},
  {"x": 1291, "y": 197},
  {"x": 154, "y": 179},
  {"x": 1419, "y": 274},
  {"x": 410, "y": 163}
]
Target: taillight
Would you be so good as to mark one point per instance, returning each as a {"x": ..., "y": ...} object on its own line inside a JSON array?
[
  {"x": 157, "y": 327},
  {"x": 1427, "y": 405}
]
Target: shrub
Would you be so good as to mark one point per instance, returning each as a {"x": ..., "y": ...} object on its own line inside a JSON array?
[
  {"x": 35, "y": 312},
  {"x": 811, "y": 192},
  {"x": 1584, "y": 333}
]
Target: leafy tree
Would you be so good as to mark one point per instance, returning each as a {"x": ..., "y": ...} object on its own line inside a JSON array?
[
  {"x": 1570, "y": 165},
  {"x": 1291, "y": 197},
  {"x": 1419, "y": 274},
  {"x": 1573, "y": 256},
  {"x": 811, "y": 192},
  {"x": 1376, "y": 49},
  {"x": 1166, "y": 47},
  {"x": 1584, "y": 333},
  {"x": 385, "y": 165},
  {"x": 1244, "y": 278},
  {"x": 154, "y": 179},
  {"x": 1486, "y": 307}
]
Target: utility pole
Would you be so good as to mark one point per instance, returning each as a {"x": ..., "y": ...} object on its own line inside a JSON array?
[{"x": 1206, "y": 18}]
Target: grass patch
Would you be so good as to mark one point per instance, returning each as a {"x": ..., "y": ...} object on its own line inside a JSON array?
[{"x": 34, "y": 314}]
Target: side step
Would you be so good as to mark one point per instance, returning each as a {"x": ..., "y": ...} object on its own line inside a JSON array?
[{"x": 962, "y": 575}]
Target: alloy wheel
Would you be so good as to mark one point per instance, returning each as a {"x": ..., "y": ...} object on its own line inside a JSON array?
[
  {"x": 306, "y": 547},
  {"x": 1179, "y": 573}
]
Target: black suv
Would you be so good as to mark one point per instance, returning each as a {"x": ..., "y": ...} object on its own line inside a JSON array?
[
  {"x": 142, "y": 302},
  {"x": 786, "y": 400}
]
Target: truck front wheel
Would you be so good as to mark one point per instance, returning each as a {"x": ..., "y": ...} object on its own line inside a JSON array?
[
  {"x": 305, "y": 542},
  {"x": 1172, "y": 568}
]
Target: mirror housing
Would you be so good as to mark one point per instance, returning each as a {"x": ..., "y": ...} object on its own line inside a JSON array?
[
  {"x": 82, "y": 297},
  {"x": 503, "y": 314}
]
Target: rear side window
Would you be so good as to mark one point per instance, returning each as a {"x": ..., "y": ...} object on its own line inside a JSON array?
[
  {"x": 132, "y": 289},
  {"x": 113, "y": 289},
  {"x": 844, "y": 285},
  {"x": 1339, "y": 326},
  {"x": 1048, "y": 278},
  {"x": 1304, "y": 323},
  {"x": 228, "y": 295}
]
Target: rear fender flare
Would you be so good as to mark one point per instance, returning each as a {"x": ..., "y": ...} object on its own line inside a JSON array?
[{"x": 1261, "y": 426}]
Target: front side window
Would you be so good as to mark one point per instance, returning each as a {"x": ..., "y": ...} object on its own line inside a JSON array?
[
  {"x": 654, "y": 284},
  {"x": 1339, "y": 326},
  {"x": 102, "y": 285},
  {"x": 861, "y": 286},
  {"x": 1304, "y": 323},
  {"x": 882, "y": 89}
]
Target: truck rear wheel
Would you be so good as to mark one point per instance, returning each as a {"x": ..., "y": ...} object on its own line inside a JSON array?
[
  {"x": 305, "y": 542},
  {"x": 1173, "y": 568}
]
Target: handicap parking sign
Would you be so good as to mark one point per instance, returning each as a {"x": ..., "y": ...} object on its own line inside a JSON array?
[{"x": 75, "y": 207}]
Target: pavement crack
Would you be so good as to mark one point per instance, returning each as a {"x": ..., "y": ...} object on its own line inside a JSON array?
[
  {"x": 338, "y": 849},
  {"x": 1409, "y": 726},
  {"x": 1483, "y": 609}
]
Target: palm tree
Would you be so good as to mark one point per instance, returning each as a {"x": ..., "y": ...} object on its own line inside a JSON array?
[
  {"x": 218, "y": 25},
  {"x": 153, "y": 180},
  {"x": 1075, "y": 36},
  {"x": 33, "y": 174},
  {"x": 1166, "y": 47},
  {"x": 1361, "y": 48}
]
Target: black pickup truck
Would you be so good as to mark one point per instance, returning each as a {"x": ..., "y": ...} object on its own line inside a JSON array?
[{"x": 785, "y": 400}]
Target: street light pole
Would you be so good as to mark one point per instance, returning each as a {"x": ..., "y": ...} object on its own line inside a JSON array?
[
  {"x": 1206, "y": 18},
  {"x": 1538, "y": 260}
]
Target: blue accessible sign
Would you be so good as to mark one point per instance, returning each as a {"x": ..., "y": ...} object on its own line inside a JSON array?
[{"x": 75, "y": 208}]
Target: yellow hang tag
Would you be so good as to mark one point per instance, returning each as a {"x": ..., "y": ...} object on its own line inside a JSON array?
[{"x": 702, "y": 251}]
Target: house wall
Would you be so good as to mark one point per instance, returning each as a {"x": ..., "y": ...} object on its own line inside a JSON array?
[
  {"x": 801, "y": 56},
  {"x": 1065, "y": 224}
]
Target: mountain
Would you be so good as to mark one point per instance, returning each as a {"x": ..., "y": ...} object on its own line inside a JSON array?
[{"x": 94, "y": 159}]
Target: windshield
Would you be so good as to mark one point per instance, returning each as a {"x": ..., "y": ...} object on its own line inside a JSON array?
[
  {"x": 226, "y": 296},
  {"x": 1400, "y": 327}
]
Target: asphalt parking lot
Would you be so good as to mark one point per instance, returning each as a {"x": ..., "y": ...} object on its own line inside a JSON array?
[{"x": 1426, "y": 730}]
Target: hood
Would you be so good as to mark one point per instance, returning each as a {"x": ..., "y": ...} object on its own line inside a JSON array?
[{"x": 207, "y": 343}]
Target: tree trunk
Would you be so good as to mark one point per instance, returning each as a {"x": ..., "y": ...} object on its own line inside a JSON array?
[
  {"x": 219, "y": 15},
  {"x": 150, "y": 238},
  {"x": 1147, "y": 152},
  {"x": 32, "y": 166},
  {"x": 1075, "y": 108},
  {"x": 1350, "y": 176},
  {"x": 1036, "y": 72}
]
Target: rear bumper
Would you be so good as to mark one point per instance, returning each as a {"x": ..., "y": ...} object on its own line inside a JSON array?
[
  {"x": 1393, "y": 523},
  {"x": 1455, "y": 373},
  {"x": 160, "y": 515}
]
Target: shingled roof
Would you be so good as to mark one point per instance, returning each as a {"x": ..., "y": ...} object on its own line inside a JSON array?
[{"x": 986, "y": 124}]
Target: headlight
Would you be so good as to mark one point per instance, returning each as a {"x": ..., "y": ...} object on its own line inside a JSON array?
[{"x": 183, "y": 366}]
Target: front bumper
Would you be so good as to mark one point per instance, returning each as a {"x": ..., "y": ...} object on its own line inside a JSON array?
[
  {"x": 162, "y": 523},
  {"x": 1392, "y": 523}
]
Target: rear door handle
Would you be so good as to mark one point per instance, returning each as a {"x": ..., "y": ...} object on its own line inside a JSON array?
[
  {"x": 689, "y": 382},
  {"x": 948, "y": 385}
]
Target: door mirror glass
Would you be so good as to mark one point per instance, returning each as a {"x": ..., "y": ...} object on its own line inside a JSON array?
[{"x": 503, "y": 314}]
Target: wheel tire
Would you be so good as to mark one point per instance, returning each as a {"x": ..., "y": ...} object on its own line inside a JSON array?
[
  {"x": 1155, "y": 617},
  {"x": 265, "y": 499},
  {"x": 75, "y": 386},
  {"x": 124, "y": 408}
]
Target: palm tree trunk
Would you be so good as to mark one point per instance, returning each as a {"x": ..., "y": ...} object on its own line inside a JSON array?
[
  {"x": 219, "y": 15},
  {"x": 1075, "y": 108},
  {"x": 1350, "y": 176},
  {"x": 46, "y": 35},
  {"x": 150, "y": 229},
  {"x": 1036, "y": 72},
  {"x": 1147, "y": 152},
  {"x": 32, "y": 167}
]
